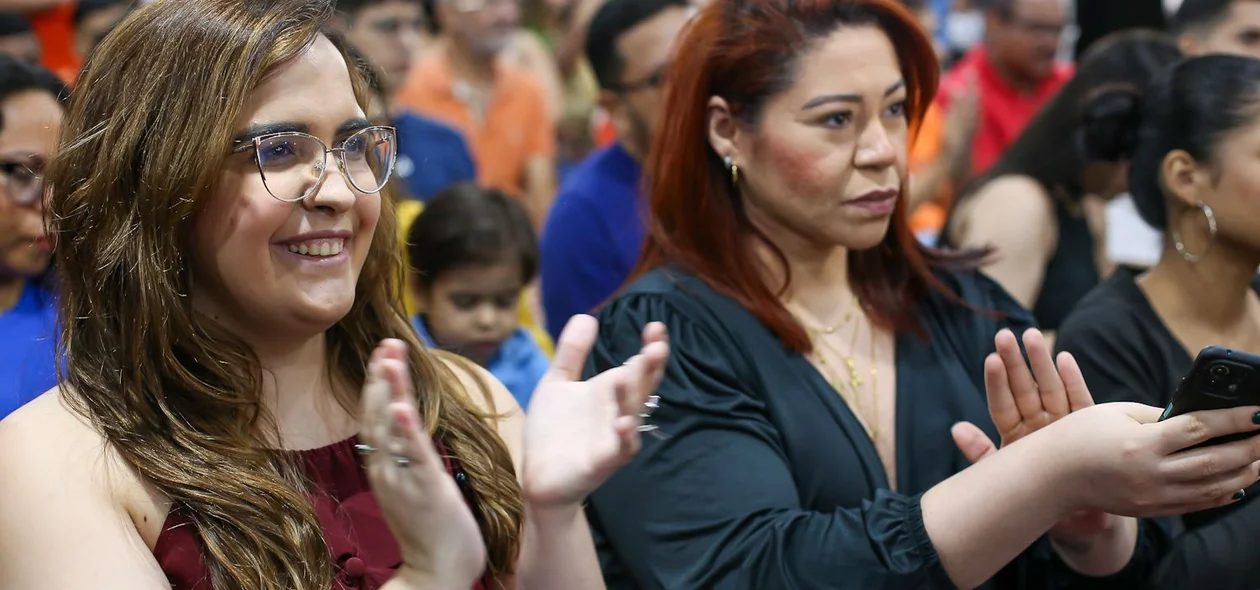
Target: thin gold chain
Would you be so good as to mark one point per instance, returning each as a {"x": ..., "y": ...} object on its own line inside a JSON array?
[{"x": 852, "y": 394}]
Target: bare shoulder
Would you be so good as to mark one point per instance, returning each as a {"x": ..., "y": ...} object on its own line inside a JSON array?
[
  {"x": 46, "y": 432},
  {"x": 64, "y": 504},
  {"x": 1014, "y": 204},
  {"x": 490, "y": 396},
  {"x": 1012, "y": 191}
]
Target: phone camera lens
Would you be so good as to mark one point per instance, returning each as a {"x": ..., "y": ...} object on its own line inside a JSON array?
[{"x": 1220, "y": 372}]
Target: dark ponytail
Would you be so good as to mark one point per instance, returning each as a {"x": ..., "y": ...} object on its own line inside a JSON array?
[
  {"x": 1190, "y": 108},
  {"x": 1109, "y": 125},
  {"x": 1094, "y": 117}
]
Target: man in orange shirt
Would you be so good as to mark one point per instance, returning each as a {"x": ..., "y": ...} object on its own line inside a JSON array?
[{"x": 500, "y": 110}]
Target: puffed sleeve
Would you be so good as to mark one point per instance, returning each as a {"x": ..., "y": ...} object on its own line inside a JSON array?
[{"x": 713, "y": 504}]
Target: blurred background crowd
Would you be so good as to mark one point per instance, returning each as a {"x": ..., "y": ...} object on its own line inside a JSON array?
[{"x": 524, "y": 123}]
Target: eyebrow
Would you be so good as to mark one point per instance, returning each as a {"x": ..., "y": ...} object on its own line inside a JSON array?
[
  {"x": 353, "y": 125},
  {"x": 248, "y": 135},
  {"x": 830, "y": 98}
]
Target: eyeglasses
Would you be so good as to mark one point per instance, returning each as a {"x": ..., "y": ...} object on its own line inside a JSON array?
[
  {"x": 653, "y": 80},
  {"x": 25, "y": 185},
  {"x": 293, "y": 164}
]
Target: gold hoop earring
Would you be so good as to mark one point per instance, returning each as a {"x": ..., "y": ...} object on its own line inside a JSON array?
[{"x": 733, "y": 168}]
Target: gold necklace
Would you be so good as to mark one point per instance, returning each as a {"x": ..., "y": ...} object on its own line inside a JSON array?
[{"x": 854, "y": 398}]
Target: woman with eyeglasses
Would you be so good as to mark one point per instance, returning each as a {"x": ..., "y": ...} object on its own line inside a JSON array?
[
  {"x": 31, "y": 113},
  {"x": 244, "y": 404}
]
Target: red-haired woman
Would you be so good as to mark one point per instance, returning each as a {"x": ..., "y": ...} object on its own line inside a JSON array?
[{"x": 822, "y": 357}]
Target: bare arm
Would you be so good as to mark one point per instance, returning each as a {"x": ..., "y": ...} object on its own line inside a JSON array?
[
  {"x": 557, "y": 551},
  {"x": 1015, "y": 216},
  {"x": 61, "y": 523}
]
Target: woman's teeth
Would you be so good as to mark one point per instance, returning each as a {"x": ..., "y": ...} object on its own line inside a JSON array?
[{"x": 319, "y": 248}]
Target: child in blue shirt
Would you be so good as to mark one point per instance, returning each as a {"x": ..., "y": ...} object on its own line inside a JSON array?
[{"x": 473, "y": 252}]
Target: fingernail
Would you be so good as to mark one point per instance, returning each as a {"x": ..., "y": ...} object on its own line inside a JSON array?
[
  {"x": 1255, "y": 418},
  {"x": 1240, "y": 494}
]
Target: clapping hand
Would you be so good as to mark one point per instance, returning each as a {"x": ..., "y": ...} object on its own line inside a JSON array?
[
  {"x": 440, "y": 542},
  {"x": 1022, "y": 402},
  {"x": 578, "y": 433}
]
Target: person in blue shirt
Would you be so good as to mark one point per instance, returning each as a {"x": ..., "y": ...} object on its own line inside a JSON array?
[
  {"x": 31, "y": 111},
  {"x": 594, "y": 231},
  {"x": 386, "y": 35},
  {"x": 473, "y": 251}
]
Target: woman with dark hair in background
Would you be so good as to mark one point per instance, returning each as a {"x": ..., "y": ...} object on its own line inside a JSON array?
[
  {"x": 1195, "y": 177},
  {"x": 244, "y": 404},
  {"x": 821, "y": 356},
  {"x": 1041, "y": 208},
  {"x": 31, "y": 111}
]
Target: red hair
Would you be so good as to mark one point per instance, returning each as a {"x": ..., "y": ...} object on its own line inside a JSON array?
[{"x": 745, "y": 52}]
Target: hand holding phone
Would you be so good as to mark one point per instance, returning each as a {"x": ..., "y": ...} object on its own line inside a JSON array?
[{"x": 1220, "y": 378}]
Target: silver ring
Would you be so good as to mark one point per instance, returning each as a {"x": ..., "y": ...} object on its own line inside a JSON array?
[
  {"x": 649, "y": 406},
  {"x": 402, "y": 461},
  {"x": 364, "y": 450}
]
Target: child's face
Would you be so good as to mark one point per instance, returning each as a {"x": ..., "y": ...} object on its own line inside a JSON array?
[{"x": 472, "y": 310}]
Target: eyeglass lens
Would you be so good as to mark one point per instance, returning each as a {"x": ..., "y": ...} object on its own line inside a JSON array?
[
  {"x": 23, "y": 184},
  {"x": 292, "y": 165}
]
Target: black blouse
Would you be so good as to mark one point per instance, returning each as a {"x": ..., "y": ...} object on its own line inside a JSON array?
[
  {"x": 1126, "y": 353},
  {"x": 766, "y": 478}
]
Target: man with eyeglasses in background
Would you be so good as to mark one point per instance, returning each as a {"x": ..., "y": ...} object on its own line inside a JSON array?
[
  {"x": 387, "y": 35},
  {"x": 500, "y": 110},
  {"x": 1016, "y": 71},
  {"x": 592, "y": 238},
  {"x": 31, "y": 112}
]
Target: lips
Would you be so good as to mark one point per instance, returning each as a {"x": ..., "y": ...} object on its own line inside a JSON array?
[
  {"x": 876, "y": 196},
  {"x": 877, "y": 203}
]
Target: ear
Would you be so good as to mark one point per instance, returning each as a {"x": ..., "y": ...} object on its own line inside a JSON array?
[
  {"x": 1185, "y": 180},
  {"x": 419, "y": 292},
  {"x": 1188, "y": 44},
  {"x": 724, "y": 130},
  {"x": 608, "y": 101}
]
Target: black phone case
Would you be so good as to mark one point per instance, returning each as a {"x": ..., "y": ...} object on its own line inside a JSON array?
[{"x": 1220, "y": 378}]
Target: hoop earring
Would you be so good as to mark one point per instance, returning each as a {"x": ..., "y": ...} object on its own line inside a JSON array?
[
  {"x": 1212, "y": 230},
  {"x": 733, "y": 168}
]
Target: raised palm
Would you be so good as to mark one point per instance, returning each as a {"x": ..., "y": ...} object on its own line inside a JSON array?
[
  {"x": 1022, "y": 402},
  {"x": 577, "y": 433}
]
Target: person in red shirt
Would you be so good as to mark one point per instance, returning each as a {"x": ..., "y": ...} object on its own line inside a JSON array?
[{"x": 1016, "y": 69}]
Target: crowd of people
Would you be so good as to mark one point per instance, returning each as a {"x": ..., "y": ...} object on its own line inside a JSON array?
[{"x": 627, "y": 294}]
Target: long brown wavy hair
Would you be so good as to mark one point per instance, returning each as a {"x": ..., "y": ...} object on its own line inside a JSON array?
[{"x": 175, "y": 394}]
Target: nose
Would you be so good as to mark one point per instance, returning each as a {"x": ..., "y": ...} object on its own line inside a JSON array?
[
  {"x": 485, "y": 316},
  {"x": 334, "y": 193},
  {"x": 875, "y": 148}
]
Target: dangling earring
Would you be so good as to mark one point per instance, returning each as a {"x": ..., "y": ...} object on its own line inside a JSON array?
[
  {"x": 1181, "y": 246},
  {"x": 733, "y": 168}
]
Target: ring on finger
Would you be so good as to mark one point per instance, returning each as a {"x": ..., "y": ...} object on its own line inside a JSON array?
[
  {"x": 364, "y": 449},
  {"x": 402, "y": 461},
  {"x": 649, "y": 406}
]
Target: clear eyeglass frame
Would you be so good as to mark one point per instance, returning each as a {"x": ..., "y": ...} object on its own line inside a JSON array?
[{"x": 321, "y": 166}]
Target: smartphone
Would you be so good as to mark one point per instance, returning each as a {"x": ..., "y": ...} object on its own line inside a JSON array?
[{"x": 1219, "y": 379}]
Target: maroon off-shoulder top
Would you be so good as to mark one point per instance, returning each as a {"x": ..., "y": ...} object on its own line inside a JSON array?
[{"x": 364, "y": 552}]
